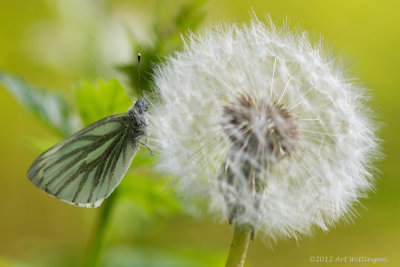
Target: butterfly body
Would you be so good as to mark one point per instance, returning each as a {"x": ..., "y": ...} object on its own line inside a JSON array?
[{"x": 86, "y": 167}]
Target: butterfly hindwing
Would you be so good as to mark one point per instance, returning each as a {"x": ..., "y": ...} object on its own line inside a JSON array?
[{"x": 86, "y": 167}]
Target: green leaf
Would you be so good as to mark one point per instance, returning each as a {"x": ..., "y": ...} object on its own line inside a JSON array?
[
  {"x": 149, "y": 193},
  {"x": 190, "y": 15},
  {"x": 167, "y": 30},
  {"x": 40, "y": 144},
  {"x": 100, "y": 99},
  {"x": 50, "y": 107}
]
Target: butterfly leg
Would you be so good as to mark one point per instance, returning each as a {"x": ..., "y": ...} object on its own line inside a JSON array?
[{"x": 146, "y": 146}]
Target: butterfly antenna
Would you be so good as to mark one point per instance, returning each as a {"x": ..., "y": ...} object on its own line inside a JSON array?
[{"x": 138, "y": 70}]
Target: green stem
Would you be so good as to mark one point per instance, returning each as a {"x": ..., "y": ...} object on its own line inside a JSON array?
[
  {"x": 99, "y": 233},
  {"x": 240, "y": 242}
]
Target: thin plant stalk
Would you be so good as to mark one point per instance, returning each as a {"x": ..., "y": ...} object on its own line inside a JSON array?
[
  {"x": 99, "y": 234},
  {"x": 240, "y": 243}
]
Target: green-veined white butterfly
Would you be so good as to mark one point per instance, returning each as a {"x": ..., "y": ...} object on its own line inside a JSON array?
[{"x": 86, "y": 167}]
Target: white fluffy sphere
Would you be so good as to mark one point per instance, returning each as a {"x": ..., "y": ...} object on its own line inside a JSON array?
[{"x": 264, "y": 128}]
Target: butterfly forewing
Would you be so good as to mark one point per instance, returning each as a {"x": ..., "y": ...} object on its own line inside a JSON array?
[{"x": 86, "y": 167}]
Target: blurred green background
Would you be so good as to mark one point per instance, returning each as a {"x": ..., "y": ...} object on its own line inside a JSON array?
[{"x": 55, "y": 44}]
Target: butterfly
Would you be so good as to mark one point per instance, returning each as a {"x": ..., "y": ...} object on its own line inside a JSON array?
[{"x": 86, "y": 167}]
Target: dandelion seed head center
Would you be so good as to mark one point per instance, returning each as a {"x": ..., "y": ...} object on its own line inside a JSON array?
[{"x": 259, "y": 128}]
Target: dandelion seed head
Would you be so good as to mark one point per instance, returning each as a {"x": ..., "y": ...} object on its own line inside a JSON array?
[{"x": 264, "y": 128}]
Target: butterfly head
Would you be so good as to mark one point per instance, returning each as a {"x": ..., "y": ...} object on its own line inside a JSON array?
[
  {"x": 141, "y": 105},
  {"x": 137, "y": 112}
]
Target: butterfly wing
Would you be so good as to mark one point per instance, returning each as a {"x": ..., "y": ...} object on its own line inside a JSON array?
[{"x": 86, "y": 167}]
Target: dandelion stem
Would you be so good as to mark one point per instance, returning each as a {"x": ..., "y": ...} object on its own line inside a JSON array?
[
  {"x": 240, "y": 242},
  {"x": 99, "y": 233}
]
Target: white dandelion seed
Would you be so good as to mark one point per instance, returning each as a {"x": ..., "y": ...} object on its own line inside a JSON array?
[{"x": 264, "y": 128}]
